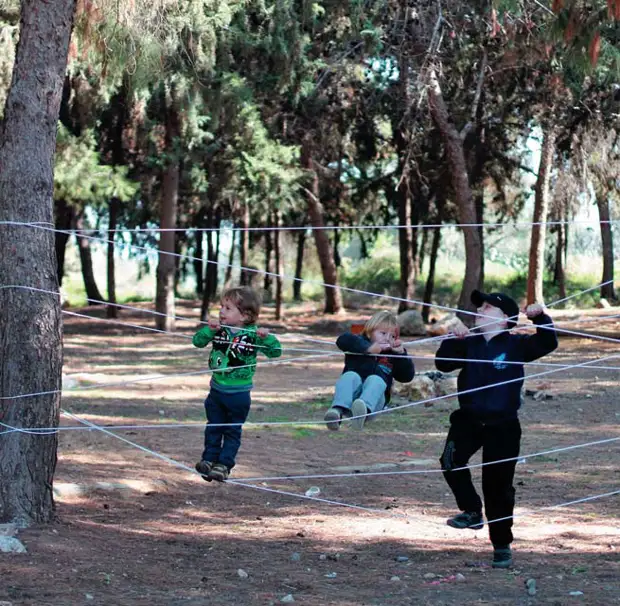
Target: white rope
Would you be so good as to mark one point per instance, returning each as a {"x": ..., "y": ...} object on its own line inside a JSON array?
[
  {"x": 148, "y": 230},
  {"x": 407, "y": 472},
  {"x": 244, "y": 484}
]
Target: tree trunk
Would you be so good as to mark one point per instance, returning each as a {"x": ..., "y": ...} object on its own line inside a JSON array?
[
  {"x": 93, "y": 295},
  {"x": 333, "y": 296},
  {"x": 112, "y": 310},
  {"x": 215, "y": 268},
  {"x": 199, "y": 264},
  {"x": 464, "y": 200},
  {"x": 267, "y": 279},
  {"x": 559, "y": 276},
  {"x": 405, "y": 240},
  {"x": 299, "y": 264},
  {"x": 337, "y": 259},
  {"x": 30, "y": 323},
  {"x": 430, "y": 280},
  {"x": 208, "y": 291},
  {"x": 480, "y": 220},
  {"x": 541, "y": 208},
  {"x": 607, "y": 290},
  {"x": 64, "y": 219},
  {"x": 244, "y": 278},
  {"x": 166, "y": 268},
  {"x": 231, "y": 260},
  {"x": 279, "y": 263}
]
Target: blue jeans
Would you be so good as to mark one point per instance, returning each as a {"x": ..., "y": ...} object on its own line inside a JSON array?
[
  {"x": 350, "y": 387},
  {"x": 222, "y": 443}
]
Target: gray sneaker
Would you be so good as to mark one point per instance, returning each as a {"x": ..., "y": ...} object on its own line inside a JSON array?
[
  {"x": 358, "y": 409},
  {"x": 467, "y": 519},
  {"x": 502, "y": 556},
  {"x": 332, "y": 418}
]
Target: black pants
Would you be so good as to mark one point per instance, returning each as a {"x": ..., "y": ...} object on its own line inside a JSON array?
[{"x": 498, "y": 441}]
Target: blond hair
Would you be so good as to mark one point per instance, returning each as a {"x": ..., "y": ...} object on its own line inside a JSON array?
[
  {"x": 380, "y": 319},
  {"x": 246, "y": 300}
]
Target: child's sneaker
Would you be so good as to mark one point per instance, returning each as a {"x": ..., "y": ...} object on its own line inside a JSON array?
[
  {"x": 359, "y": 410},
  {"x": 219, "y": 472},
  {"x": 332, "y": 418},
  {"x": 502, "y": 556},
  {"x": 467, "y": 519},
  {"x": 204, "y": 469}
]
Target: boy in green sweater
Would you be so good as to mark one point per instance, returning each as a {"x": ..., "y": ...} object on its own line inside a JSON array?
[{"x": 236, "y": 340}]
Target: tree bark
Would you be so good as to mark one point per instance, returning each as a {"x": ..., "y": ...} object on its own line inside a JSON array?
[
  {"x": 541, "y": 209},
  {"x": 93, "y": 295},
  {"x": 208, "y": 290},
  {"x": 559, "y": 276},
  {"x": 430, "y": 280},
  {"x": 199, "y": 264},
  {"x": 333, "y": 296},
  {"x": 607, "y": 290},
  {"x": 244, "y": 248},
  {"x": 166, "y": 268},
  {"x": 279, "y": 263},
  {"x": 267, "y": 279},
  {"x": 231, "y": 260},
  {"x": 114, "y": 207},
  {"x": 463, "y": 195},
  {"x": 405, "y": 240},
  {"x": 30, "y": 322},
  {"x": 64, "y": 219},
  {"x": 299, "y": 264}
]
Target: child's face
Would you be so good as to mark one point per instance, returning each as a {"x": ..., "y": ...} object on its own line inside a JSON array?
[
  {"x": 383, "y": 334},
  {"x": 496, "y": 321},
  {"x": 230, "y": 315}
]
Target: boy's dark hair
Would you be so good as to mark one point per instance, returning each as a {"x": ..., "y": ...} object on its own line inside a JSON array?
[{"x": 246, "y": 300}]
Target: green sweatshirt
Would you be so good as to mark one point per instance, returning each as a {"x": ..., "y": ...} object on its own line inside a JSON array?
[{"x": 236, "y": 353}]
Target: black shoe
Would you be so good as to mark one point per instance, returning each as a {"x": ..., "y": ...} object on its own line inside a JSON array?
[
  {"x": 204, "y": 469},
  {"x": 502, "y": 556},
  {"x": 219, "y": 473},
  {"x": 467, "y": 519}
]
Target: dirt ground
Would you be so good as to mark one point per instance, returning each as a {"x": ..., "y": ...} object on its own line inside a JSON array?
[{"x": 134, "y": 529}]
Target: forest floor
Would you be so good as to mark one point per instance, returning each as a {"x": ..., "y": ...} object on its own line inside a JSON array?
[{"x": 133, "y": 529}]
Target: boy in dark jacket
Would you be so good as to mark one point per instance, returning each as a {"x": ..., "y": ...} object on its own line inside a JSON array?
[
  {"x": 366, "y": 381},
  {"x": 488, "y": 418}
]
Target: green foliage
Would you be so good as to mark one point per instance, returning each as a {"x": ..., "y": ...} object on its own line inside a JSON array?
[{"x": 79, "y": 177}]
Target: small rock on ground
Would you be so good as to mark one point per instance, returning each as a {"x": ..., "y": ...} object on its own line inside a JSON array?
[{"x": 11, "y": 545}]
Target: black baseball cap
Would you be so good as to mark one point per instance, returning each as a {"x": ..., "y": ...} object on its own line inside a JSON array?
[{"x": 497, "y": 299}]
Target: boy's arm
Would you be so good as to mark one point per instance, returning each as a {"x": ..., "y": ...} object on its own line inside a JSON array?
[
  {"x": 269, "y": 345},
  {"x": 544, "y": 341},
  {"x": 204, "y": 336},
  {"x": 351, "y": 343},
  {"x": 451, "y": 348}
]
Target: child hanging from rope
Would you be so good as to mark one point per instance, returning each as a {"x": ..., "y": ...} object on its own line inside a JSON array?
[
  {"x": 488, "y": 418},
  {"x": 236, "y": 342},
  {"x": 366, "y": 382}
]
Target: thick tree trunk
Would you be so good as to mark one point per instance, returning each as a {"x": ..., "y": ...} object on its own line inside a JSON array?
[
  {"x": 93, "y": 295},
  {"x": 299, "y": 264},
  {"x": 464, "y": 200},
  {"x": 607, "y": 290},
  {"x": 112, "y": 310},
  {"x": 64, "y": 219},
  {"x": 30, "y": 324},
  {"x": 337, "y": 258},
  {"x": 541, "y": 209},
  {"x": 279, "y": 263},
  {"x": 333, "y": 296},
  {"x": 166, "y": 267}
]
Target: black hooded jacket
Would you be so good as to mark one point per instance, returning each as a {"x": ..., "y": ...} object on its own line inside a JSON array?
[{"x": 501, "y": 402}]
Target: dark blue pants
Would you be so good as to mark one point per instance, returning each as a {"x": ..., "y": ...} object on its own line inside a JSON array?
[{"x": 222, "y": 443}]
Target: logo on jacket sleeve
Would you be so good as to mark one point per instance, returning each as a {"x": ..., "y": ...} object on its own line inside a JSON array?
[{"x": 498, "y": 362}]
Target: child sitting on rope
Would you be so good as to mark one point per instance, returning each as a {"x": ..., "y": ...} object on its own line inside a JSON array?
[
  {"x": 236, "y": 340},
  {"x": 373, "y": 360},
  {"x": 488, "y": 418}
]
